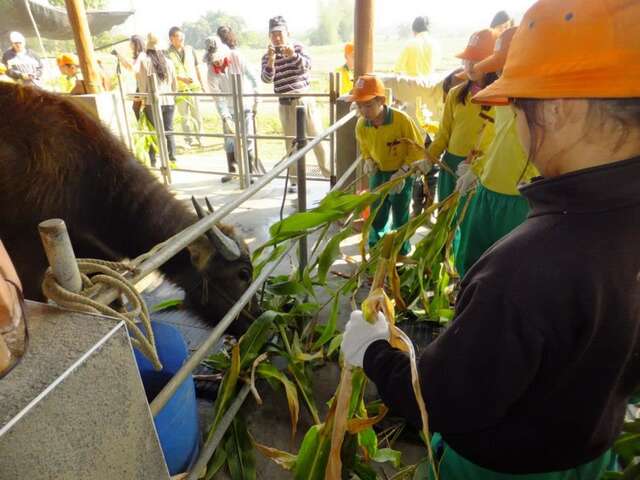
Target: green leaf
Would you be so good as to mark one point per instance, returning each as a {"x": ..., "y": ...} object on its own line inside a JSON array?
[
  {"x": 330, "y": 326},
  {"x": 330, "y": 253},
  {"x": 628, "y": 446},
  {"x": 299, "y": 355},
  {"x": 334, "y": 345},
  {"x": 239, "y": 448},
  {"x": 167, "y": 305},
  {"x": 277, "y": 251},
  {"x": 368, "y": 440},
  {"x": 313, "y": 455},
  {"x": 364, "y": 472},
  {"x": 268, "y": 371},
  {"x": 289, "y": 287},
  {"x": 216, "y": 463},
  {"x": 388, "y": 455},
  {"x": 303, "y": 382},
  {"x": 255, "y": 337}
]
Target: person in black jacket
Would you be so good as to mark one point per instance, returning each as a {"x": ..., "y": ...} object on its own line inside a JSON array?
[{"x": 532, "y": 378}]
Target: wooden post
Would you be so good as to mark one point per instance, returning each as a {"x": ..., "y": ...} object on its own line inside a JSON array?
[
  {"x": 363, "y": 26},
  {"x": 84, "y": 45}
]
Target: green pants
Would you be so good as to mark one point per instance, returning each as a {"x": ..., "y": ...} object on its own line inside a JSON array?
[
  {"x": 447, "y": 181},
  {"x": 398, "y": 205},
  {"x": 454, "y": 466},
  {"x": 490, "y": 216}
]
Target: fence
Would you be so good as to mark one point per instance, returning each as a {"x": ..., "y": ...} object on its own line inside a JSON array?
[
  {"x": 63, "y": 264},
  {"x": 241, "y": 137}
]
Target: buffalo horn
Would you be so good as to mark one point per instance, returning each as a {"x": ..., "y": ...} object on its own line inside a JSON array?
[{"x": 227, "y": 247}]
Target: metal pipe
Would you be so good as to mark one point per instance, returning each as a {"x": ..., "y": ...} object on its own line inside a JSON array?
[
  {"x": 210, "y": 446},
  {"x": 252, "y": 175},
  {"x": 159, "y": 127},
  {"x": 301, "y": 114},
  {"x": 227, "y": 135},
  {"x": 57, "y": 245},
  {"x": 191, "y": 233},
  {"x": 194, "y": 360},
  {"x": 241, "y": 126},
  {"x": 334, "y": 86},
  {"x": 237, "y": 147},
  {"x": 123, "y": 103}
]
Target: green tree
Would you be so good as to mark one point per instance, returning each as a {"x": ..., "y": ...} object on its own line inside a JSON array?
[
  {"x": 335, "y": 23},
  {"x": 91, "y": 4},
  {"x": 196, "y": 32}
]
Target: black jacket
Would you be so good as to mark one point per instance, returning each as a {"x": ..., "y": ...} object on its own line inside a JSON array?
[{"x": 535, "y": 371}]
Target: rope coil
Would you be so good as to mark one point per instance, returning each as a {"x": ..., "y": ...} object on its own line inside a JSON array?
[{"x": 97, "y": 274}]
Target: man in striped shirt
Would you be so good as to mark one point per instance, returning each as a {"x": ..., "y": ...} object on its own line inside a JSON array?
[{"x": 287, "y": 66}]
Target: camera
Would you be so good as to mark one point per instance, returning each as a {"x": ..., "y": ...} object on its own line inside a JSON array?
[{"x": 278, "y": 49}]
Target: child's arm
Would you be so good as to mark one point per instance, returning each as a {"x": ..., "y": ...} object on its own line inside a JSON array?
[{"x": 441, "y": 142}]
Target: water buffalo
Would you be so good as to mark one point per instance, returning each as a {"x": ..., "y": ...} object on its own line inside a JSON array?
[{"x": 58, "y": 162}]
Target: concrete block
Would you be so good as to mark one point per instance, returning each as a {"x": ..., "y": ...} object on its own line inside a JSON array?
[{"x": 75, "y": 407}]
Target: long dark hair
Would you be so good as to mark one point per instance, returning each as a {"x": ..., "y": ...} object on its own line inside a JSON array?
[
  {"x": 227, "y": 36},
  {"x": 159, "y": 63},
  {"x": 489, "y": 78},
  {"x": 138, "y": 45}
]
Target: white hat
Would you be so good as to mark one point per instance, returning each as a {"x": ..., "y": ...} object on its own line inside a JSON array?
[{"x": 16, "y": 37}]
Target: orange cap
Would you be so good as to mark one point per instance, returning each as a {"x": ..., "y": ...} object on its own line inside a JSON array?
[
  {"x": 67, "y": 59},
  {"x": 366, "y": 88},
  {"x": 480, "y": 46},
  {"x": 572, "y": 49},
  {"x": 496, "y": 61},
  {"x": 348, "y": 48}
]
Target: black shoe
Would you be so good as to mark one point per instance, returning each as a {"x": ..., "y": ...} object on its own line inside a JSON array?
[
  {"x": 226, "y": 179},
  {"x": 292, "y": 189}
]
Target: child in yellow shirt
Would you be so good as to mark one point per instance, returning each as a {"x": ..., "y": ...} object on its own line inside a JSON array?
[{"x": 381, "y": 133}]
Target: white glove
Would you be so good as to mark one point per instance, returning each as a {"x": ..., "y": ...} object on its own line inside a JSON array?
[
  {"x": 422, "y": 165},
  {"x": 467, "y": 178},
  {"x": 359, "y": 334},
  {"x": 369, "y": 167},
  {"x": 400, "y": 185}
]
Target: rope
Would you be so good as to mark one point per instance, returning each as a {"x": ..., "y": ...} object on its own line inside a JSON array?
[{"x": 95, "y": 275}]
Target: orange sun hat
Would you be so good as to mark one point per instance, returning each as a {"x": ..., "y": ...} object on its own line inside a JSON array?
[
  {"x": 67, "y": 59},
  {"x": 572, "y": 49},
  {"x": 480, "y": 46},
  {"x": 495, "y": 62},
  {"x": 366, "y": 88}
]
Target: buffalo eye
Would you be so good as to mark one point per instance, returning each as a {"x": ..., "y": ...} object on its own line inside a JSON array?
[{"x": 245, "y": 275}]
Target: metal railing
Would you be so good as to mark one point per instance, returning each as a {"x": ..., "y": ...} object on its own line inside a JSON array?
[
  {"x": 181, "y": 240},
  {"x": 241, "y": 137}
]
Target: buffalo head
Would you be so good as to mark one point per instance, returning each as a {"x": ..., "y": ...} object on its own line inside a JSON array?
[{"x": 224, "y": 272}]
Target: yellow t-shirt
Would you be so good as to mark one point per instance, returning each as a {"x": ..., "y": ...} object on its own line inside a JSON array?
[
  {"x": 384, "y": 144},
  {"x": 461, "y": 125},
  {"x": 505, "y": 165},
  {"x": 346, "y": 80},
  {"x": 419, "y": 56}
]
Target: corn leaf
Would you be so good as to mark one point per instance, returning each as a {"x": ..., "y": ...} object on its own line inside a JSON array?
[
  {"x": 388, "y": 455},
  {"x": 334, "y": 345},
  {"x": 216, "y": 463},
  {"x": 268, "y": 371},
  {"x": 254, "y": 339},
  {"x": 171, "y": 304},
  {"x": 287, "y": 288},
  {"x": 298, "y": 355},
  {"x": 330, "y": 253},
  {"x": 239, "y": 449},
  {"x": 314, "y": 451},
  {"x": 227, "y": 390},
  {"x": 303, "y": 382},
  {"x": 356, "y": 425},
  {"x": 275, "y": 253},
  {"x": 285, "y": 459},
  {"x": 364, "y": 472},
  {"x": 330, "y": 327}
]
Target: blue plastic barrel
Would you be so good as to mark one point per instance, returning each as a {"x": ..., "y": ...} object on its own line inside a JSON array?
[{"x": 177, "y": 422}]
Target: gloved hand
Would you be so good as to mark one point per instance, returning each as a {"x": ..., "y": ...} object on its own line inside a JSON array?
[
  {"x": 400, "y": 185},
  {"x": 229, "y": 125},
  {"x": 467, "y": 178},
  {"x": 422, "y": 165},
  {"x": 359, "y": 334},
  {"x": 369, "y": 167}
]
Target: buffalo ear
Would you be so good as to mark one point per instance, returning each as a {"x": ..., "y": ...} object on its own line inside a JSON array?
[{"x": 201, "y": 252}]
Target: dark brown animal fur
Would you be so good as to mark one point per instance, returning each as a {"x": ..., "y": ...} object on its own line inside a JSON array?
[{"x": 58, "y": 162}]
